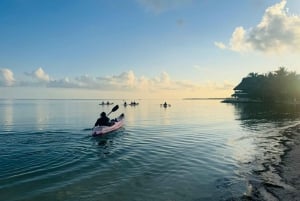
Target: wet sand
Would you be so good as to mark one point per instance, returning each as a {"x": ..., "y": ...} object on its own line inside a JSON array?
[
  {"x": 288, "y": 169},
  {"x": 279, "y": 180}
]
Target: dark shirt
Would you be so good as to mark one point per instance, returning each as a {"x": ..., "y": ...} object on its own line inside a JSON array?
[{"x": 102, "y": 121}]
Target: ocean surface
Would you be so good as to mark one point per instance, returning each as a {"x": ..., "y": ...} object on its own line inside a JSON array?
[{"x": 193, "y": 150}]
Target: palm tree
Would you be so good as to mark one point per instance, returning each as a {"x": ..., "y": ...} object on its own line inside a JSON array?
[
  {"x": 281, "y": 72},
  {"x": 253, "y": 75}
]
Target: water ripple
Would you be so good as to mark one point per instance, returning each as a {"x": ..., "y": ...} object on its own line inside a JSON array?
[{"x": 190, "y": 151}]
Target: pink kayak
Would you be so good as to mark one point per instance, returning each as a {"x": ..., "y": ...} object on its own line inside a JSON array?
[{"x": 116, "y": 124}]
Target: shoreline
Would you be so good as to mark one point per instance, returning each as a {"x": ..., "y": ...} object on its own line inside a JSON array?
[
  {"x": 234, "y": 100},
  {"x": 290, "y": 166},
  {"x": 280, "y": 181}
]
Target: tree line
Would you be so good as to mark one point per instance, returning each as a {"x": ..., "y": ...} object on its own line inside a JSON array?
[{"x": 279, "y": 85}]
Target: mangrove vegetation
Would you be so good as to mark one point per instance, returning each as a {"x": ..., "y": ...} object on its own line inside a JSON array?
[{"x": 278, "y": 86}]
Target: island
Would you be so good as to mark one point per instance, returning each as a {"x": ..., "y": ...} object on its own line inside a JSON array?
[{"x": 279, "y": 86}]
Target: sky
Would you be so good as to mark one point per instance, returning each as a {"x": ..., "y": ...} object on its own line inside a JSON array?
[{"x": 136, "y": 49}]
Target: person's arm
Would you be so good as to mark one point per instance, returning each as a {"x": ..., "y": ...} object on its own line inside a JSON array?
[{"x": 97, "y": 122}]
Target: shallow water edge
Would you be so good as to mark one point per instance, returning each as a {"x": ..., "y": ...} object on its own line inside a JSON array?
[{"x": 279, "y": 181}]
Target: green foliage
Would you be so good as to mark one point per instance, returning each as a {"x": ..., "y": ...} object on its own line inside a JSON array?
[{"x": 280, "y": 85}]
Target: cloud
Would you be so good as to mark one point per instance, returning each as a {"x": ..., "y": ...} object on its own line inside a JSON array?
[
  {"x": 238, "y": 41},
  {"x": 6, "y": 77},
  {"x": 129, "y": 81},
  {"x": 220, "y": 45},
  {"x": 159, "y": 6},
  {"x": 164, "y": 80},
  {"x": 277, "y": 32},
  {"x": 39, "y": 75},
  {"x": 125, "y": 82},
  {"x": 63, "y": 83}
]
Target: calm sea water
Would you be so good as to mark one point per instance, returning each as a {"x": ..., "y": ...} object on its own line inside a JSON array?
[{"x": 193, "y": 150}]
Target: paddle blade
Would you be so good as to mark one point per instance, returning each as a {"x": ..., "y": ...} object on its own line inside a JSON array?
[{"x": 115, "y": 108}]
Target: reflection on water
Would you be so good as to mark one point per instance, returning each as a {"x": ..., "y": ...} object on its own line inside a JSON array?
[
  {"x": 7, "y": 112},
  {"x": 42, "y": 111},
  {"x": 269, "y": 132},
  {"x": 252, "y": 114}
]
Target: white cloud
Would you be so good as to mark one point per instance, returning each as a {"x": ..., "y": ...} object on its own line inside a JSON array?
[
  {"x": 220, "y": 45},
  {"x": 39, "y": 75},
  {"x": 238, "y": 40},
  {"x": 63, "y": 83},
  {"x": 277, "y": 32},
  {"x": 81, "y": 82},
  {"x": 165, "y": 79},
  {"x": 84, "y": 81},
  {"x": 125, "y": 82},
  {"x": 6, "y": 77}
]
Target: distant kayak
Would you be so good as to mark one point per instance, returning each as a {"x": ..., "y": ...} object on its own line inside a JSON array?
[
  {"x": 106, "y": 103},
  {"x": 116, "y": 124},
  {"x": 133, "y": 103}
]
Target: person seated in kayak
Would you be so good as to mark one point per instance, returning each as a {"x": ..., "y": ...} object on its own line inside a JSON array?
[{"x": 103, "y": 120}]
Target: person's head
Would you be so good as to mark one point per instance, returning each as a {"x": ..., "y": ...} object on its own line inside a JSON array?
[{"x": 103, "y": 114}]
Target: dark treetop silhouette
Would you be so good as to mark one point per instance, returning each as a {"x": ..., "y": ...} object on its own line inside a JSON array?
[{"x": 278, "y": 86}]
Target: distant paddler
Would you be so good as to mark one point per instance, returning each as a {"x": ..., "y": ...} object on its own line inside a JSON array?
[
  {"x": 107, "y": 103},
  {"x": 165, "y": 105}
]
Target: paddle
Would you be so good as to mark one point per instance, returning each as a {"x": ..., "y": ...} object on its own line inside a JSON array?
[{"x": 113, "y": 110}]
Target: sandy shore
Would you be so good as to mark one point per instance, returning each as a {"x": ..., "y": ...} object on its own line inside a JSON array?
[
  {"x": 279, "y": 181},
  {"x": 290, "y": 167}
]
